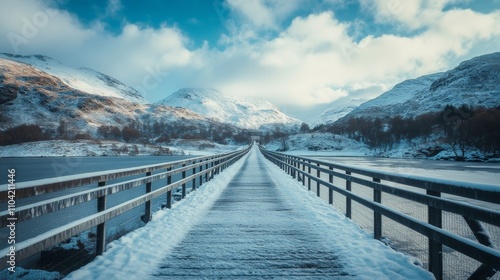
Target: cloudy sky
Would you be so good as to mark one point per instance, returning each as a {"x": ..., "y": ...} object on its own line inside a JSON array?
[{"x": 295, "y": 53}]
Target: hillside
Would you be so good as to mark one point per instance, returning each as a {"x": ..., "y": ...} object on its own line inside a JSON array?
[
  {"x": 82, "y": 79},
  {"x": 30, "y": 96},
  {"x": 475, "y": 82},
  {"x": 339, "y": 108},
  {"x": 243, "y": 112}
]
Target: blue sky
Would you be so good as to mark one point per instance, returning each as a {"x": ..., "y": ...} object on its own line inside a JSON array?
[{"x": 295, "y": 53}]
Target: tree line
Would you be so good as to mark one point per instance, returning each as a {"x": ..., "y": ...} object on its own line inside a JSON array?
[
  {"x": 461, "y": 127},
  {"x": 133, "y": 132}
]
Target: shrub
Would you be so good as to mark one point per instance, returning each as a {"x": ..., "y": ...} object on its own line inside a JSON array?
[{"x": 21, "y": 134}]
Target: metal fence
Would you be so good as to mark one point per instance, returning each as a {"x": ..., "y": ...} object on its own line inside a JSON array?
[
  {"x": 453, "y": 228},
  {"x": 47, "y": 197}
]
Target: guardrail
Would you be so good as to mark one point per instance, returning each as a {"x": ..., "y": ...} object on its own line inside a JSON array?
[
  {"x": 407, "y": 188},
  {"x": 201, "y": 168}
]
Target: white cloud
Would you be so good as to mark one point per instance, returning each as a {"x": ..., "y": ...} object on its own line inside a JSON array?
[
  {"x": 315, "y": 53},
  {"x": 266, "y": 14},
  {"x": 255, "y": 11},
  {"x": 114, "y": 6},
  {"x": 313, "y": 60},
  {"x": 412, "y": 14},
  {"x": 134, "y": 55}
]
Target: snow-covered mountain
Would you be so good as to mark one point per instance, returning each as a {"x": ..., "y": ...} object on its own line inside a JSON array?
[
  {"x": 244, "y": 112},
  {"x": 474, "y": 82},
  {"x": 250, "y": 113},
  {"x": 29, "y": 95},
  {"x": 82, "y": 79},
  {"x": 340, "y": 108}
]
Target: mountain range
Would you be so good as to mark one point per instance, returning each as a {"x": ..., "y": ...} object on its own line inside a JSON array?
[
  {"x": 475, "y": 82},
  {"x": 32, "y": 96},
  {"x": 40, "y": 90}
]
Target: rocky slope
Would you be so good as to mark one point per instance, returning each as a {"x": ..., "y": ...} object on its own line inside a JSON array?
[{"x": 475, "y": 82}]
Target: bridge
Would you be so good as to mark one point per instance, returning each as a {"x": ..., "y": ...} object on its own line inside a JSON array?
[{"x": 248, "y": 213}]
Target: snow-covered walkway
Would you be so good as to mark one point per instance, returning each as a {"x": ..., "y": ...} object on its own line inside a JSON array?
[{"x": 251, "y": 220}]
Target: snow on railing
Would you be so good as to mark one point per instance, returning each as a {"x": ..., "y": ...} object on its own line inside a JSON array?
[
  {"x": 202, "y": 169},
  {"x": 428, "y": 192}
]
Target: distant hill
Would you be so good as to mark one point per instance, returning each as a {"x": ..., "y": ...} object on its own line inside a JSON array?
[
  {"x": 82, "y": 79},
  {"x": 244, "y": 112},
  {"x": 31, "y": 96},
  {"x": 475, "y": 82}
]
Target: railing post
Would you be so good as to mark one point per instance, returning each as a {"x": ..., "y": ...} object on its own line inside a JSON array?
[
  {"x": 169, "y": 193},
  {"x": 348, "y": 203},
  {"x": 435, "y": 248},
  {"x": 201, "y": 175},
  {"x": 298, "y": 168},
  {"x": 309, "y": 178},
  {"x": 318, "y": 186},
  {"x": 184, "y": 183},
  {"x": 304, "y": 172},
  {"x": 293, "y": 169},
  {"x": 330, "y": 190},
  {"x": 101, "y": 228},
  {"x": 212, "y": 171},
  {"x": 206, "y": 168},
  {"x": 147, "y": 210},
  {"x": 194, "y": 178},
  {"x": 377, "y": 217}
]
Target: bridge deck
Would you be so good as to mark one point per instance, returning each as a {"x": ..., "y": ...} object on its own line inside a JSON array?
[
  {"x": 251, "y": 221},
  {"x": 254, "y": 228}
]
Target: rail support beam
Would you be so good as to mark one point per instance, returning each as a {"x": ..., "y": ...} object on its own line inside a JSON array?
[
  {"x": 377, "y": 217},
  {"x": 101, "y": 228},
  {"x": 147, "y": 205},
  {"x": 348, "y": 203},
  {"x": 330, "y": 191},
  {"x": 318, "y": 185},
  {"x": 194, "y": 179},
  {"x": 169, "y": 193},
  {"x": 183, "y": 184},
  {"x": 435, "y": 248}
]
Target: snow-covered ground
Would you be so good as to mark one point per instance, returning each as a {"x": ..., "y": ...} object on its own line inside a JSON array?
[
  {"x": 328, "y": 144},
  {"x": 138, "y": 253},
  {"x": 58, "y": 148},
  {"x": 29, "y": 274}
]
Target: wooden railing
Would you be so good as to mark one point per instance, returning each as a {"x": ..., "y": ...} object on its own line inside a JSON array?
[
  {"x": 483, "y": 249},
  {"x": 201, "y": 168}
]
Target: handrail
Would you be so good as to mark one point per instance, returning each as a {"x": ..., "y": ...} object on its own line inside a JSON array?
[
  {"x": 483, "y": 192},
  {"x": 482, "y": 251},
  {"x": 43, "y": 186},
  {"x": 206, "y": 166}
]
